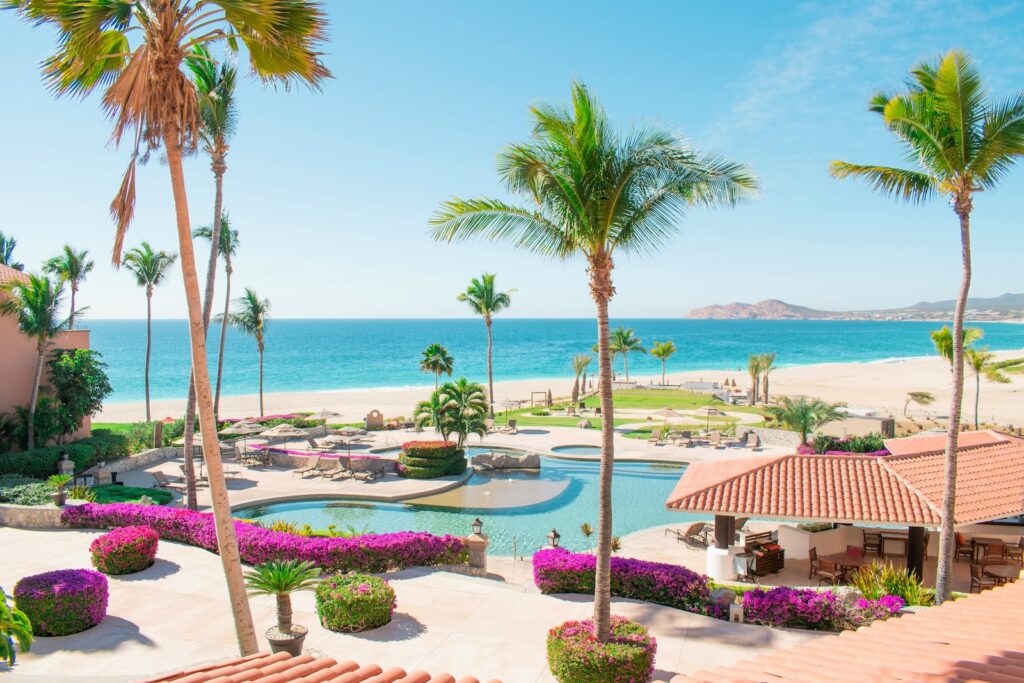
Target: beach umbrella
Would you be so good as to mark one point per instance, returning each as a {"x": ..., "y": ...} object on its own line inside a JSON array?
[
  {"x": 708, "y": 411},
  {"x": 667, "y": 413},
  {"x": 243, "y": 429},
  {"x": 549, "y": 398},
  {"x": 285, "y": 431}
]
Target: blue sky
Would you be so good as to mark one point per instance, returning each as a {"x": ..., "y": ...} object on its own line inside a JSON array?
[{"x": 332, "y": 191}]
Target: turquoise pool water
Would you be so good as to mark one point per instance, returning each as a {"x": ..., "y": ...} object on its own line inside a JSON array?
[
  {"x": 639, "y": 491},
  {"x": 577, "y": 450}
]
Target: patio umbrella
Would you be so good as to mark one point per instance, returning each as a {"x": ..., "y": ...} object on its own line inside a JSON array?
[
  {"x": 667, "y": 413},
  {"x": 708, "y": 411},
  {"x": 324, "y": 415},
  {"x": 285, "y": 431},
  {"x": 243, "y": 429}
]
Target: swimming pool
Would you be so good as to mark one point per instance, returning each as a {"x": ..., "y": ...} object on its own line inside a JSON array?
[
  {"x": 639, "y": 491},
  {"x": 577, "y": 450}
]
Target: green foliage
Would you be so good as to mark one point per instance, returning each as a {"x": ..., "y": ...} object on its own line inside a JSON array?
[
  {"x": 107, "y": 444},
  {"x": 943, "y": 340},
  {"x": 79, "y": 385},
  {"x": 436, "y": 360},
  {"x": 19, "y": 490},
  {"x": 430, "y": 459},
  {"x": 354, "y": 602},
  {"x": 804, "y": 415},
  {"x": 280, "y": 577},
  {"x": 48, "y": 422},
  {"x": 880, "y": 579},
  {"x": 14, "y": 627},
  {"x": 576, "y": 656},
  {"x": 7, "y": 244},
  {"x": 457, "y": 409},
  {"x": 114, "y": 493},
  {"x": 81, "y": 492},
  {"x": 8, "y": 432},
  {"x": 250, "y": 316},
  {"x": 483, "y": 298},
  {"x": 869, "y": 443},
  {"x": 40, "y": 463},
  {"x": 139, "y": 436},
  {"x": 58, "y": 481}
]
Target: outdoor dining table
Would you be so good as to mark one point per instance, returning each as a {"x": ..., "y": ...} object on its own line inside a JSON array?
[
  {"x": 847, "y": 561},
  {"x": 1005, "y": 572}
]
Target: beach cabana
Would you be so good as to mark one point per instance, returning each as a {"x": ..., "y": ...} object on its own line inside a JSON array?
[{"x": 903, "y": 489}]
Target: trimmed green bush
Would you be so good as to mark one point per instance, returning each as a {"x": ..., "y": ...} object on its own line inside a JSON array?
[
  {"x": 575, "y": 655},
  {"x": 430, "y": 459},
  {"x": 113, "y": 493},
  {"x": 107, "y": 444},
  {"x": 40, "y": 463},
  {"x": 354, "y": 602}
]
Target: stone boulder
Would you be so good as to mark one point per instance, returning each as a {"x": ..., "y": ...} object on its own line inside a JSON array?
[
  {"x": 506, "y": 461},
  {"x": 584, "y": 424}
]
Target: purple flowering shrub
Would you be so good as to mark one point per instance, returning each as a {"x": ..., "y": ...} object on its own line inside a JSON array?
[
  {"x": 818, "y": 611},
  {"x": 369, "y": 553},
  {"x": 575, "y": 655},
  {"x": 354, "y": 602},
  {"x": 556, "y": 570},
  {"x": 62, "y": 602},
  {"x": 125, "y": 550}
]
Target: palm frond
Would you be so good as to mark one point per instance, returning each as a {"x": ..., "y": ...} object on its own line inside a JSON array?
[
  {"x": 911, "y": 186},
  {"x": 1002, "y": 141},
  {"x": 461, "y": 219}
]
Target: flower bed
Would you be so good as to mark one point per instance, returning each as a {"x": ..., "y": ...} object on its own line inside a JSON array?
[
  {"x": 556, "y": 570},
  {"x": 125, "y": 550},
  {"x": 576, "y": 656},
  {"x": 814, "y": 610},
  {"x": 354, "y": 602},
  {"x": 430, "y": 459},
  {"x": 62, "y": 602},
  {"x": 369, "y": 553}
]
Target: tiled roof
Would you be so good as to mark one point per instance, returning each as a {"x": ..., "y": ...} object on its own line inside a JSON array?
[
  {"x": 916, "y": 445},
  {"x": 901, "y": 489},
  {"x": 978, "y": 638},
  {"x": 8, "y": 274},
  {"x": 283, "y": 668}
]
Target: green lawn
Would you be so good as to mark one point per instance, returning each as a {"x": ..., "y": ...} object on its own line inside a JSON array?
[
  {"x": 114, "y": 427},
  {"x": 112, "y": 493}
]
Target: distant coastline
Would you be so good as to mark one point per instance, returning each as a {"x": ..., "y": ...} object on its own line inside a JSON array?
[{"x": 1005, "y": 308}]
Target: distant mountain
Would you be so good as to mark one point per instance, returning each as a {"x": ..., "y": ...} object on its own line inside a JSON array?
[{"x": 1005, "y": 307}]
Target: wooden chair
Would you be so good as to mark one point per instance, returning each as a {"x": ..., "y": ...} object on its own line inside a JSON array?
[
  {"x": 964, "y": 548},
  {"x": 872, "y": 542},
  {"x": 696, "y": 535},
  {"x": 979, "y": 581},
  {"x": 312, "y": 465},
  {"x": 815, "y": 566},
  {"x": 995, "y": 553},
  {"x": 1016, "y": 552},
  {"x": 741, "y": 522},
  {"x": 829, "y": 572},
  {"x": 855, "y": 551}
]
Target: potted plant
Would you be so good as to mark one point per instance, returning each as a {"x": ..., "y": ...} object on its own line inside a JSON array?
[
  {"x": 281, "y": 578},
  {"x": 58, "y": 482}
]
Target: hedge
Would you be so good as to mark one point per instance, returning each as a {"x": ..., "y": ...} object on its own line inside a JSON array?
[
  {"x": 62, "y": 602},
  {"x": 374, "y": 553},
  {"x": 575, "y": 655},
  {"x": 430, "y": 459},
  {"x": 124, "y": 550},
  {"x": 354, "y": 602},
  {"x": 40, "y": 463}
]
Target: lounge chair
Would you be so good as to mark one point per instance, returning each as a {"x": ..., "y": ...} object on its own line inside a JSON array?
[
  {"x": 715, "y": 440},
  {"x": 200, "y": 479},
  {"x": 655, "y": 437},
  {"x": 312, "y": 465},
  {"x": 510, "y": 428},
  {"x": 489, "y": 425},
  {"x": 696, "y": 535},
  {"x": 339, "y": 471},
  {"x": 162, "y": 481}
]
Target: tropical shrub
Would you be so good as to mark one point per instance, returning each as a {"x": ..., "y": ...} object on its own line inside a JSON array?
[
  {"x": 18, "y": 490},
  {"x": 81, "y": 492},
  {"x": 107, "y": 444},
  {"x": 139, "y": 436},
  {"x": 430, "y": 459},
  {"x": 14, "y": 626},
  {"x": 814, "y": 610},
  {"x": 556, "y": 570},
  {"x": 79, "y": 384},
  {"x": 281, "y": 579},
  {"x": 870, "y": 444},
  {"x": 369, "y": 553},
  {"x": 46, "y": 425},
  {"x": 40, "y": 463},
  {"x": 354, "y": 602},
  {"x": 576, "y": 656},
  {"x": 62, "y": 602},
  {"x": 883, "y": 579},
  {"x": 456, "y": 409},
  {"x": 125, "y": 550}
]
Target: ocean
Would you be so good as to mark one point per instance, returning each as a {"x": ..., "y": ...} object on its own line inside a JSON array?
[{"x": 313, "y": 355}]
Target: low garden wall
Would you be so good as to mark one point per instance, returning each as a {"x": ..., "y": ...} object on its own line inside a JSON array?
[
  {"x": 141, "y": 460},
  {"x": 775, "y": 437},
  {"x": 30, "y": 516}
]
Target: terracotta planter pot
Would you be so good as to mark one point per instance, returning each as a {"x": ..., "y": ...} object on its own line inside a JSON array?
[
  {"x": 58, "y": 498},
  {"x": 290, "y": 643}
]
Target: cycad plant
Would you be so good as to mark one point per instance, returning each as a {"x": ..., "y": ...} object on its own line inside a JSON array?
[
  {"x": 803, "y": 415},
  {"x": 15, "y": 627},
  {"x": 228, "y": 249},
  {"x": 457, "y": 408},
  {"x": 250, "y": 318},
  {"x": 36, "y": 303},
  {"x": 436, "y": 360},
  {"x": 135, "y": 52},
  {"x": 592, "y": 192},
  {"x": 663, "y": 351},
  {"x": 485, "y": 300},
  {"x": 150, "y": 268},
  {"x": 961, "y": 143},
  {"x": 72, "y": 267},
  {"x": 281, "y": 578}
]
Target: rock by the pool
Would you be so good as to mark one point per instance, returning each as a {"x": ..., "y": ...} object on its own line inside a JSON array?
[
  {"x": 584, "y": 424},
  {"x": 506, "y": 461}
]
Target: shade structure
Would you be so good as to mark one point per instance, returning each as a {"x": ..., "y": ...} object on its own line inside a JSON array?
[
  {"x": 667, "y": 413},
  {"x": 324, "y": 415},
  {"x": 284, "y": 430}
]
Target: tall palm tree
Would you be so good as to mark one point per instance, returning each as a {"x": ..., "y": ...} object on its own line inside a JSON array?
[
  {"x": 767, "y": 365},
  {"x": 151, "y": 100},
  {"x": 943, "y": 340},
  {"x": 436, "y": 359},
  {"x": 962, "y": 143},
  {"x": 624, "y": 341},
  {"x": 71, "y": 267},
  {"x": 754, "y": 370},
  {"x": 228, "y": 249},
  {"x": 150, "y": 269},
  {"x": 7, "y": 244},
  {"x": 250, "y": 318},
  {"x": 663, "y": 351},
  {"x": 980, "y": 363},
  {"x": 36, "y": 303},
  {"x": 803, "y": 415},
  {"x": 580, "y": 362},
  {"x": 593, "y": 192},
  {"x": 485, "y": 300}
]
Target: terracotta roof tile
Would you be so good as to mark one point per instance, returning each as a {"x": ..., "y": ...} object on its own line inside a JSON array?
[
  {"x": 283, "y": 668},
  {"x": 903, "y": 489},
  {"x": 917, "y": 445},
  {"x": 8, "y": 274},
  {"x": 978, "y": 638}
]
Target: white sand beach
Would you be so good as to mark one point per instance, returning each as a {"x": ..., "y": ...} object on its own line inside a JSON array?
[{"x": 881, "y": 385}]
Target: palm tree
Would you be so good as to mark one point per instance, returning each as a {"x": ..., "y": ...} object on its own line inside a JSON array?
[
  {"x": 150, "y": 268},
  {"x": 228, "y": 249},
  {"x": 485, "y": 300},
  {"x": 580, "y": 362},
  {"x": 464, "y": 410},
  {"x": 36, "y": 303},
  {"x": 980, "y": 363},
  {"x": 943, "y": 340},
  {"x": 804, "y": 415},
  {"x": 663, "y": 351},
  {"x": 593, "y": 192},
  {"x": 429, "y": 413},
  {"x": 7, "y": 245},
  {"x": 962, "y": 143},
  {"x": 623, "y": 342},
  {"x": 72, "y": 267},
  {"x": 151, "y": 100},
  {"x": 923, "y": 398},
  {"x": 436, "y": 359},
  {"x": 754, "y": 369},
  {"x": 281, "y": 578},
  {"x": 250, "y": 318},
  {"x": 767, "y": 365}
]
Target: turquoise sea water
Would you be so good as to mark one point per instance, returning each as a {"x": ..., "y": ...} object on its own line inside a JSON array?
[
  {"x": 311, "y": 355},
  {"x": 638, "y": 489}
]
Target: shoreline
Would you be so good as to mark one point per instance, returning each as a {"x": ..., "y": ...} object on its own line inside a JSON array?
[{"x": 876, "y": 384}]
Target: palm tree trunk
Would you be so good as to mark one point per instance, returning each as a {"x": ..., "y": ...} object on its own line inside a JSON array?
[
  {"x": 71, "y": 316},
  {"x": 284, "y": 613},
  {"x": 663, "y": 361},
  {"x": 490, "y": 370},
  {"x": 262, "y": 413},
  {"x": 625, "y": 363},
  {"x": 188, "y": 439},
  {"x": 149, "y": 341},
  {"x": 601, "y": 290},
  {"x": 944, "y": 575},
  {"x": 977, "y": 398},
  {"x": 223, "y": 330},
  {"x": 576, "y": 390},
  {"x": 41, "y": 348},
  {"x": 764, "y": 388},
  {"x": 227, "y": 544}
]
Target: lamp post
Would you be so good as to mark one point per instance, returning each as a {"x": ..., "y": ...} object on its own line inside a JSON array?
[
  {"x": 554, "y": 538},
  {"x": 477, "y": 526},
  {"x": 476, "y": 543}
]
